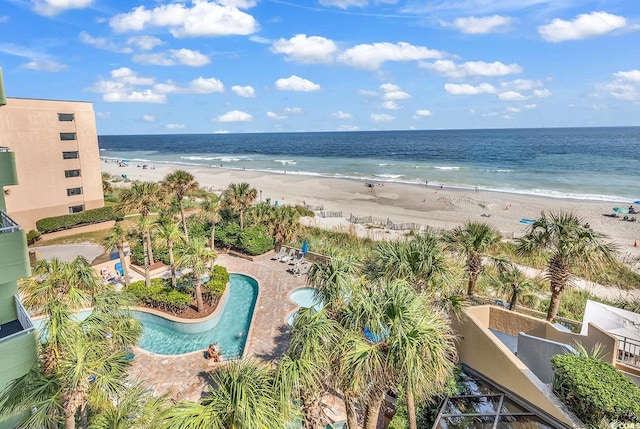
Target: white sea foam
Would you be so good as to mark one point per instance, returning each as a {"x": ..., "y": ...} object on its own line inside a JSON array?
[
  {"x": 443, "y": 167},
  {"x": 499, "y": 170},
  {"x": 389, "y": 176},
  {"x": 285, "y": 161}
]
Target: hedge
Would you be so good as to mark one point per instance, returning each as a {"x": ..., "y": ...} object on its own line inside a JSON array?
[
  {"x": 214, "y": 288},
  {"x": 87, "y": 217},
  {"x": 595, "y": 391},
  {"x": 160, "y": 295},
  {"x": 254, "y": 240}
]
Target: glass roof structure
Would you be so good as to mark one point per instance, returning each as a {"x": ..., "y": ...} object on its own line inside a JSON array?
[{"x": 483, "y": 405}]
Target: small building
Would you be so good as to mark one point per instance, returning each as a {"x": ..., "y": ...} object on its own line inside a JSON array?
[{"x": 57, "y": 158}]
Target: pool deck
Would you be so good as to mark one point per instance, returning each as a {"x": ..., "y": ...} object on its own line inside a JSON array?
[{"x": 186, "y": 376}]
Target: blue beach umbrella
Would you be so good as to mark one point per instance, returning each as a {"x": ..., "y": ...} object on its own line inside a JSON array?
[
  {"x": 305, "y": 247},
  {"x": 637, "y": 202}
]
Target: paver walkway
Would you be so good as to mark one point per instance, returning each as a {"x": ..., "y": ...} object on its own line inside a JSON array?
[{"x": 186, "y": 376}]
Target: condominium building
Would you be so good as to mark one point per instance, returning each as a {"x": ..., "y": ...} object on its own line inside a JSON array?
[{"x": 57, "y": 158}]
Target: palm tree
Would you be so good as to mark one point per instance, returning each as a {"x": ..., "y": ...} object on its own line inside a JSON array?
[
  {"x": 145, "y": 227},
  {"x": 419, "y": 261},
  {"x": 333, "y": 282},
  {"x": 211, "y": 206},
  {"x": 472, "y": 240},
  {"x": 511, "y": 278},
  {"x": 142, "y": 197},
  {"x": 242, "y": 399},
  {"x": 117, "y": 238},
  {"x": 239, "y": 197},
  {"x": 570, "y": 244},
  {"x": 199, "y": 258},
  {"x": 179, "y": 184},
  {"x": 168, "y": 233}
]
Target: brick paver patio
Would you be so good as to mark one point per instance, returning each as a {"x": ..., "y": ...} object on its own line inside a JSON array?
[{"x": 186, "y": 376}]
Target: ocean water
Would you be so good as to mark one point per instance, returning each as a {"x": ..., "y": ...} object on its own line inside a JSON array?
[{"x": 579, "y": 163}]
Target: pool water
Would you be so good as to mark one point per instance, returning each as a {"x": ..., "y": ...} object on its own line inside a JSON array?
[
  {"x": 230, "y": 332},
  {"x": 304, "y": 297}
]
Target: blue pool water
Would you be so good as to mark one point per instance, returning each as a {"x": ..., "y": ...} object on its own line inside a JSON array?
[
  {"x": 229, "y": 330},
  {"x": 305, "y": 299}
]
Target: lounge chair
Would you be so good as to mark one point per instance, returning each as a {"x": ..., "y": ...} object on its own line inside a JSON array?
[
  {"x": 289, "y": 256},
  {"x": 280, "y": 254},
  {"x": 303, "y": 268},
  {"x": 297, "y": 259}
]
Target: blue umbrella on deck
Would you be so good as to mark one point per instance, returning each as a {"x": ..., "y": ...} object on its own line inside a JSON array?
[{"x": 305, "y": 247}]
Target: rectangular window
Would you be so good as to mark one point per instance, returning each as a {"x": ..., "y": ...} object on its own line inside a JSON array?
[
  {"x": 65, "y": 117},
  {"x": 71, "y": 173},
  {"x": 71, "y": 155},
  {"x": 74, "y": 191},
  {"x": 76, "y": 209},
  {"x": 68, "y": 136}
]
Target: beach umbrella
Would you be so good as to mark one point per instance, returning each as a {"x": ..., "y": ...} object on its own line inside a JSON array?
[
  {"x": 637, "y": 202},
  {"x": 305, "y": 247},
  {"x": 620, "y": 210}
]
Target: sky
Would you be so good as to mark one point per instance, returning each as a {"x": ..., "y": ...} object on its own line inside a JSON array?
[{"x": 238, "y": 66}]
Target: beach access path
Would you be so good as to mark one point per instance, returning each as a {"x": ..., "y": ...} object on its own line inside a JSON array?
[{"x": 187, "y": 376}]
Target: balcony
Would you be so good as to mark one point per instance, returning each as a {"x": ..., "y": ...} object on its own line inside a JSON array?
[
  {"x": 7, "y": 224},
  {"x": 8, "y": 172},
  {"x": 14, "y": 257},
  {"x": 19, "y": 326}
]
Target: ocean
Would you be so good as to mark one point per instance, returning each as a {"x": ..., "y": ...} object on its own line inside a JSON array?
[{"x": 578, "y": 163}]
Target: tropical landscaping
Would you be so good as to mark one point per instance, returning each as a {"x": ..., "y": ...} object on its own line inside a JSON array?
[{"x": 383, "y": 330}]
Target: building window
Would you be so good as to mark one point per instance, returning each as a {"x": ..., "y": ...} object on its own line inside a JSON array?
[
  {"x": 71, "y": 173},
  {"x": 74, "y": 191},
  {"x": 71, "y": 155},
  {"x": 68, "y": 136},
  {"x": 76, "y": 209},
  {"x": 65, "y": 117}
]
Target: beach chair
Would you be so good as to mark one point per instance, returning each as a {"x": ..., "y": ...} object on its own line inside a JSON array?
[
  {"x": 280, "y": 254},
  {"x": 297, "y": 259},
  {"x": 303, "y": 269},
  {"x": 289, "y": 256}
]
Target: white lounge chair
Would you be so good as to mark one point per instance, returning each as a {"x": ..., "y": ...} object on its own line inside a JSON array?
[
  {"x": 297, "y": 259},
  {"x": 280, "y": 254},
  {"x": 289, "y": 256},
  {"x": 302, "y": 269}
]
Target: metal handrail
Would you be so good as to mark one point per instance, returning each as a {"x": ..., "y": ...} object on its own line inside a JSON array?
[
  {"x": 7, "y": 224},
  {"x": 23, "y": 318},
  {"x": 4, "y": 149},
  {"x": 628, "y": 350}
]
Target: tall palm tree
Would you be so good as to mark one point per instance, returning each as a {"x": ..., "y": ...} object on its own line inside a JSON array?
[
  {"x": 333, "y": 282},
  {"x": 169, "y": 234},
  {"x": 511, "y": 280},
  {"x": 117, "y": 238},
  {"x": 145, "y": 227},
  {"x": 211, "y": 207},
  {"x": 179, "y": 184},
  {"x": 570, "y": 244},
  {"x": 472, "y": 240},
  {"x": 142, "y": 197},
  {"x": 199, "y": 258},
  {"x": 243, "y": 398},
  {"x": 134, "y": 408},
  {"x": 420, "y": 261},
  {"x": 239, "y": 197}
]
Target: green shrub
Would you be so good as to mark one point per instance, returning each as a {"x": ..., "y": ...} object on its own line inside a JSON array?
[
  {"x": 594, "y": 390},
  {"x": 227, "y": 233},
  {"x": 33, "y": 236},
  {"x": 254, "y": 240},
  {"x": 87, "y": 217},
  {"x": 214, "y": 288},
  {"x": 159, "y": 254},
  {"x": 160, "y": 295}
]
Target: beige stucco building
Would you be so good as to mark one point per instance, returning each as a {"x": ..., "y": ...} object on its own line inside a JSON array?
[{"x": 57, "y": 158}]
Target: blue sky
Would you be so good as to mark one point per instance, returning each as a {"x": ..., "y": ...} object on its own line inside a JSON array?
[{"x": 160, "y": 67}]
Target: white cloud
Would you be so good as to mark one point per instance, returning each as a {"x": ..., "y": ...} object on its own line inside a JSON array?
[
  {"x": 54, "y": 7},
  {"x": 422, "y": 113},
  {"x": 274, "y": 115},
  {"x": 235, "y": 116},
  {"x": 341, "y": 115},
  {"x": 203, "y": 18},
  {"x": 584, "y": 26},
  {"x": 625, "y": 86},
  {"x": 126, "y": 75},
  {"x": 390, "y": 105},
  {"x": 102, "y": 43},
  {"x": 382, "y": 117},
  {"x": 296, "y": 83},
  {"x": 221, "y": 132},
  {"x": 511, "y": 96},
  {"x": 303, "y": 49},
  {"x": 293, "y": 110},
  {"x": 371, "y": 56},
  {"x": 44, "y": 65},
  {"x": 521, "y": 84},
  {"x": 542, "y": 93},
  {"x": 466, "y": 89},
  {"x": 367, "y": 93},
  {"x": 175, "y": 126},
  {"x": 244, "y": 91},
  {"x": 482, "y": 25},
  {"x": 631, "y": 75},
  {"x": 393, "y": 92},
  {"x": 344, "y": 4},
  {"x": 122, "y": 88},
  {"x": 103, "y": 115},
  {"x": 348, "y": 128},
  {"x": 197, "y": 86},
  {"x": 173, "y": 57},
  {"x": 530, "y": 106},
  {"x": 148, "y": 118},
  {"x": 134, "y": 96},
  {"x": 472, "y": 68},
  {"x": 145, "y": 43}
]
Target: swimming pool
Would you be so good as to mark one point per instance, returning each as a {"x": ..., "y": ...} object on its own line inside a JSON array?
[
  {"x": 304, "y": 297},
  {"x": 229, "y": 330}
]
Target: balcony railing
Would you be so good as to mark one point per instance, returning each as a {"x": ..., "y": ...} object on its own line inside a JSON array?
[
  {"x": 23, "y": 319},
  {"x": 7, "y": 224},
  {"x": 628, "y": 351},
  {"x": 4, "y": 149}
]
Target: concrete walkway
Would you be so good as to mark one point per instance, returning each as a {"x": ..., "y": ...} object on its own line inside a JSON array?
[
  {"x": 68, "y": 252},
  {"x": 186, "y": 376}
]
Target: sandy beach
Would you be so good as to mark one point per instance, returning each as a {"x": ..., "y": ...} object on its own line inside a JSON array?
[{"x": 428, "y": 206}]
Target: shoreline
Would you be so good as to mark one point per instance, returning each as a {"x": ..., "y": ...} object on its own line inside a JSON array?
[{"x": 428, "y": 206}]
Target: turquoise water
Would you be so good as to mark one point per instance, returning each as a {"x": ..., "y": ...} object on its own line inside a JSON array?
[
  {"x": 230, "y": 332},
  {"x": 305, "y": 299}
]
